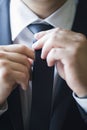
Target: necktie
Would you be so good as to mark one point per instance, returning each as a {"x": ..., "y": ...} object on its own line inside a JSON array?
[{"x": 42, "y": 83}]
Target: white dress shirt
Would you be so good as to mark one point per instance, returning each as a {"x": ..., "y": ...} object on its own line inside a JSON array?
[{"x": 20, "y": 17}]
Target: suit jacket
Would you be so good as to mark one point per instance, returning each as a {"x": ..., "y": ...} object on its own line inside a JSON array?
[{"x": 65, "y": 111}]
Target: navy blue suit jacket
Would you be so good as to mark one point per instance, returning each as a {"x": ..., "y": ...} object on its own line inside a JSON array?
[{"x": 66, "y": 114}]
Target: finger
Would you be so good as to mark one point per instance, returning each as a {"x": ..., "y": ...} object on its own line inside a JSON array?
[
  {"x": 39, "y": 35},
  {"x": 39, "y": 44},
  {"x": 60, "y": 69},
  {"x": 56, "y": 54},
  {"x": 53, "y": 38},
  {"x": 18, "y": 48},
  {"x": 46, "y": 49},
  {"x": 42, "y": 33},
  {"x": 21, "y": 78},
  {"x": 18, "y": 67},
  {"x": 15, "y": 57},
  {"x": 42, "y": 37}
]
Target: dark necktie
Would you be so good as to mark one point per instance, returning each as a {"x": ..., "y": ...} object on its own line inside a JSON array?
[{"x": 42, "y": 83}]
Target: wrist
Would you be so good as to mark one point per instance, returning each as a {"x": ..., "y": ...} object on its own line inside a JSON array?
[
  {"x": 81, "y": 93},
  {"x": 81, "y": 96},
  {"x": 82, "y": 101}
]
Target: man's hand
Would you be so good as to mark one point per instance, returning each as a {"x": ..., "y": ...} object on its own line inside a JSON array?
[
  {"x": 15, "y": 64},
  {"x": 68, "y": 50}
]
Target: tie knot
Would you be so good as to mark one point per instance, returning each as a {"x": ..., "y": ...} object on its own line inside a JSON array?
[{"x": 35, "y": 28}]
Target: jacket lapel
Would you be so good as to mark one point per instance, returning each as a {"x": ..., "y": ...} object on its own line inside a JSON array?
[
  {"x": 14, "y": 110},
  {"x": 80, "y": 22},
  {"x": 61, "y": 104}
]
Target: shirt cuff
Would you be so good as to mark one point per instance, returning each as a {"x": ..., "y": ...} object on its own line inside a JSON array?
[
  {"x": 81, "y": 101},
  {"x": 3, "y": 108}
]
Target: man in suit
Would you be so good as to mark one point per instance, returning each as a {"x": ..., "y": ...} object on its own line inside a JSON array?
[{"x": 61, "y": 47}]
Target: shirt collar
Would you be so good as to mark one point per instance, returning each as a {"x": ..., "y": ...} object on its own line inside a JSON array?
[
  {"x": 21, "y": 16},
  {"x": 64, "y": 16}
]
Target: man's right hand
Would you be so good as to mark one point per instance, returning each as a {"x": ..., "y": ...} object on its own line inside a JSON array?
[{"x": 15, "y": 65}]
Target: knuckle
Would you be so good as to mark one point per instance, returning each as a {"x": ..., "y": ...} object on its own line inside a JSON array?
[
  {"x": 24, "y": 76},
  {"x": 81, "y": 43},
  {"x": 4, "y": 73},
  {"x": 53, "y": 36},
  {"x": 63, "y": 31},
  {"x": 4, "y": 69},
  {"x": 2, "y": 48},
  {"x": 54, "y": 50},
  {"x": 26, "y": 61},
  {"x": 2, "y": 54},
  {"x": 56, "y": 31},
  {"x": 26, "y": 70},
  {"x": 23, "y": 47},
  {"x": 81, "y": 37},
  {"x": 3, "y": 63}
]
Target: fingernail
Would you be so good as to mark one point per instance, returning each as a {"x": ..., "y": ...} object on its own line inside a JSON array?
[{"x": 35, "y": 35}]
